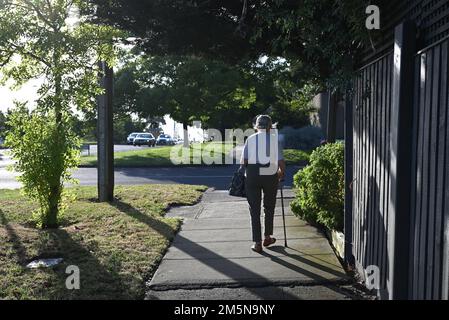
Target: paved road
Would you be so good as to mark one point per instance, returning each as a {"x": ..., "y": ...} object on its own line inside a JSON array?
[{"x": 216, "y": 177}]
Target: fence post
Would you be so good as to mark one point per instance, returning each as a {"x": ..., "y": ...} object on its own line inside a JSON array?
[
  {"x": 400, "y": 151},
  {"x": 105, "y": 136},
  {"x": 348, "y": 256},
  {"x": 331, "y": 117}
]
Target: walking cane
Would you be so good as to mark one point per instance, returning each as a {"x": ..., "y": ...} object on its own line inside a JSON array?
[{"x": 283, "y": 213}]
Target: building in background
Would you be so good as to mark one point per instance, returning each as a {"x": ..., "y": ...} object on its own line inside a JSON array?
[
  {"x": 320, "y": 118},
  {"x": 174, "y": 129}
]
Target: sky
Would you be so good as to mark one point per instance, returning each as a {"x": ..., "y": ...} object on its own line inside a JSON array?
[{"x": 26, "y": 93}]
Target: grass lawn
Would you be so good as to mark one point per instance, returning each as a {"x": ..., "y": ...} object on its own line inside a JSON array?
[
  {"x": 116, "y": 246},
  {"x": 153, "y": 157}
]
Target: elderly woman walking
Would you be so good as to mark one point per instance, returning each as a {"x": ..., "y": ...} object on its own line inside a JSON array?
[{"x": 264, "y": 164}]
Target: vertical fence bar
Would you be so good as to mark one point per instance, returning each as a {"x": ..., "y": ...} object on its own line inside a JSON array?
[
  {"x": 433, "y": 166},
  {"x": 369, "y": 226},
  {"x": 400, "y": 148},
  {"x": 383, "y": 184},
  {"x": 445, "y": 246},
  {"x": 441, "y": 164},
  {"x": 414, "y": 178},
  {"x": 349, "y": 259},
  {"x": 364, "y": 173},
  {"x": 425, "y": 176},
  {"x": 356, "y": 175},
  {"x": 386, "y": 186}
]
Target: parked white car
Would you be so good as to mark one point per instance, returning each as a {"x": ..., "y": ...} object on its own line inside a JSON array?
[
  {"x": 165, "y": 139},
  {"x": 144, "y": 139},
  {"x": 130, "y": 138}
]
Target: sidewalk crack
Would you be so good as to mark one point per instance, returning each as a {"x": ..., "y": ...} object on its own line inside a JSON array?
[{"x": 199, "y": 212}]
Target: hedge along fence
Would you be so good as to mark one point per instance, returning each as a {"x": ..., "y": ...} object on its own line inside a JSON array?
[
  {"x": 320, "y": 188},
  {"x": 306, "y": 138}
]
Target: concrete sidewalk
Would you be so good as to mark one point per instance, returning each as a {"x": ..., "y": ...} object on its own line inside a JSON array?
[{"x": 211, "y": 258}]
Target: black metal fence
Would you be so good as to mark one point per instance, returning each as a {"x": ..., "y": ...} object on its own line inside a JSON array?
[
  {"x": 430, "y": 16},
  {"x": 430, "y": 175},
  {"x": 400, "y": 220},
  {"x": 371, "y": 154}
]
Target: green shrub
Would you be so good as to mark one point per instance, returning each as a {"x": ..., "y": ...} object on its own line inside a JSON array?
[
  {"x": 45, "y": 151},
  {"x": 320, "y": 187}
]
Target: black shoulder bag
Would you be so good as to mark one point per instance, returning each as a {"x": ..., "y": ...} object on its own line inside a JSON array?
[{"x": 237, "y": 186}]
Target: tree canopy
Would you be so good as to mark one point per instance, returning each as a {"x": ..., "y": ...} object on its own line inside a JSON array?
[
  {"x": 320, "y": 36},
  {"x": 217, "y": 94},
  {"x": 188, "y": 88}
]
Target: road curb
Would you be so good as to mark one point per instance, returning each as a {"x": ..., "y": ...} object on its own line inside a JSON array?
[{"x": 247, "y": 284}]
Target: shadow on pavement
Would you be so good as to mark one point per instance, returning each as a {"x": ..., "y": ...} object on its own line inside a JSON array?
[
  {"x": 281, "y": 249},
  {"x": 221, "y": 265},
  {"x": 232, "y": 270}
]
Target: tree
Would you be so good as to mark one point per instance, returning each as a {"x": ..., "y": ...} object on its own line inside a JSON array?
[
  {"x": 187, "y": 88},
  {"x": 124, "y": 124},
  {"x": 178, "y": 27},
  {"x": 279, "y": 93},
  {"x": 321, "y": 37},
  {"x": 37, "y": 40},
  {"x": 85, "y": 126},
  {"x": 220, "y": 95}
]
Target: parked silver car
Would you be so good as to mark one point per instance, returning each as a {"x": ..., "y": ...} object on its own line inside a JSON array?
[
  {"x": 165, "y": 139},
  {"x": 144, "y": 139},
  {"x": 130, "y": 138}
]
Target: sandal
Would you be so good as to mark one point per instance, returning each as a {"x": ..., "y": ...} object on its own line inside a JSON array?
[
  {"x": 268, "y": 242},
  {"x": 257, "y": 247}
]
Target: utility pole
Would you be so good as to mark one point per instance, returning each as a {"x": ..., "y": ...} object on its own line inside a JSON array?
[{"x": 105, "y": 135}]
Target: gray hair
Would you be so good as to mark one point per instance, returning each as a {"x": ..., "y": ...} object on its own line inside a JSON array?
[{"x": 263, "y": 121}]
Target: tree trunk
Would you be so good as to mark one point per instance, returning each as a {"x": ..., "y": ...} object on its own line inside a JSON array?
[
  {"x": 54, "y": 197},
  {"x": 186, "y": 135},
  {"x": 51, "y": 219}
]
